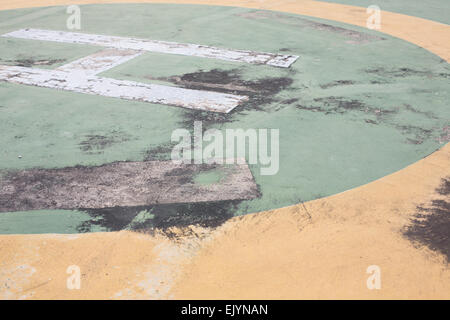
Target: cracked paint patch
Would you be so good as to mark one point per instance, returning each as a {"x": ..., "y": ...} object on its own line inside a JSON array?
[
  {"x": 100, "y": 61},
  {"x": 122, "y": 184}
]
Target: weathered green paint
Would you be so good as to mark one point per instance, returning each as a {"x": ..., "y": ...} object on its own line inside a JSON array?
[
  {"x": 57, "y": 221},
  {"x": 389, "y": 111},
  {"x": 209, "y": 177},
  {"x": 140, "y": 219}
]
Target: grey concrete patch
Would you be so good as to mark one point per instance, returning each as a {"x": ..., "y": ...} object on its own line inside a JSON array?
[{"x": 122, "y": 184}]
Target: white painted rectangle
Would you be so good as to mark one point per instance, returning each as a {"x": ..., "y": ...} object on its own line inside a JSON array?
[
  {"x": 130, "y": 90},
  {"x": 277, "y": 60}
]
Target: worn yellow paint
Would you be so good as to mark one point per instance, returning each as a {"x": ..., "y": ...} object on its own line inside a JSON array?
[{"x": 319, "y": 249}]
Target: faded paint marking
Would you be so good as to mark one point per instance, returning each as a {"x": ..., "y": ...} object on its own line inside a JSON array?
[
  {"x": 130, "y": 90},
  {"x": 122, "y": 184},
  {"x": 252, "y": 57}
]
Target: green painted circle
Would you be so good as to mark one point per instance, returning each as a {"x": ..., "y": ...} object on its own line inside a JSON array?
[{"x": 356, "y": 106}]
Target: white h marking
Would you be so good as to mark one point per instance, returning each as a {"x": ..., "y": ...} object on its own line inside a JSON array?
[{"x": 81, "y": 75}]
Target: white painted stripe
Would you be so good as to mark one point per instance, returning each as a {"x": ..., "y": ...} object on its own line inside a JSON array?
[
  {"x": 253, "y": 57},
  {"x": 130, "y": 90},
  {"x": 100, "y": 61}
]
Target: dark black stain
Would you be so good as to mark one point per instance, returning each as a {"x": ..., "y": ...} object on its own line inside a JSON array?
[
  {"x": 229, "y": 81},
  {"x": 114, "y": 219},
  {"x": 405, "y": 72},
  {"x": 160, "y": 152},
  {"x": 427, "y": 114},
  {"x": 379, "y": 82},
  {"x": 207, "y": 118},
  {"x": 413, "y": 141},
  {"x": 431, "y": 225},
  {"x": 419, "y": 134},
  {"x": 261, "y": 93},
  {"x": 290, "y": 101},
  {"x": 95, "y": 144},
  {"x": 164, "y": 216},
  {"x": 29, "y": 62},
  {"x": 313, "y": 109},
  {"x": 214, "y": 76},
  {"x": 205, "y": 214},
  {"x": 337, "y": 83},
  {"x": 341, "y": 105},
  {"x": 444, "y": 188}
]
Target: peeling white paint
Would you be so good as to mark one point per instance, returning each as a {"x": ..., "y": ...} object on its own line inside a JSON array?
[
  {"x": 81, "y": 75},
  {"x": 196, "y": 50},
  {"x": 130, "y": 90},
  {"x": 100, "y": 61}
]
